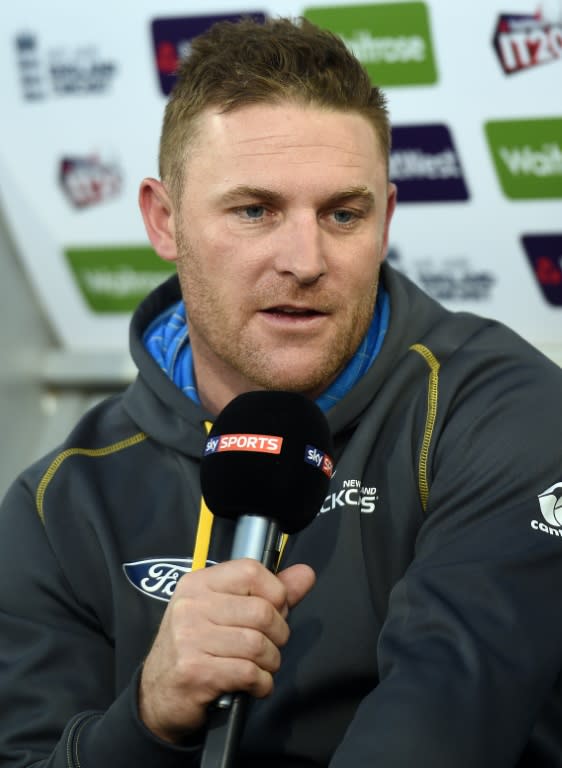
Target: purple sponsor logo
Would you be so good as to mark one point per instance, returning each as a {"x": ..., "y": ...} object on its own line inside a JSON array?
[
  {"x": 545, "y": 256},
  {"x": 172, "y": 41},
  {"x": 425, "y": 165}
]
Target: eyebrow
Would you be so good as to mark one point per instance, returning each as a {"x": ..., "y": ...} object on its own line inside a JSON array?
[
  {"x": 244, "y": 192},
  {"x": 352, "y": 193}
]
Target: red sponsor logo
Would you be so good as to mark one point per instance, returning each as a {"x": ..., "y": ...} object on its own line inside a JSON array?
[
  {"x": 252, "y": 443},
  {"x": 327, "y": 466},
  {"x": 523, "y": 41}
]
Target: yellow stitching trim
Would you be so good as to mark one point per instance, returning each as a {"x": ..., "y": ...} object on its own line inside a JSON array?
[
  {"x": 204, "y": 528},
  {"x": 92, "y": 452},
  {"x": 432, "y": 398}
]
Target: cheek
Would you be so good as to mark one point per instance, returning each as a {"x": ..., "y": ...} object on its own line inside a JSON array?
[
  {"x": 222, "y": 250},
  {"x": 362, "y": 269}
]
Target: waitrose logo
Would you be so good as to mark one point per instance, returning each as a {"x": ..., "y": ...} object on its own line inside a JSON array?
[
  {"x": 115, "y": 279},
  {"x": 527, "y": 155},
  {"x": 392, "y": 40}
]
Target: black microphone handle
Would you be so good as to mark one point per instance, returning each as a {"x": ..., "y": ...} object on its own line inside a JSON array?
[{"x": 260, "y": 539}]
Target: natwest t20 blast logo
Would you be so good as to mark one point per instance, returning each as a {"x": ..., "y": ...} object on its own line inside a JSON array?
[
  {"x": 525, "y": 41},
  {"x": 425, "y": 164}
]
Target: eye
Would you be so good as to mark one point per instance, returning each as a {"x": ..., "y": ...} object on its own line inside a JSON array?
[
  {"x": 342, "y": 216},
  {"x": 253, "y": 212}
]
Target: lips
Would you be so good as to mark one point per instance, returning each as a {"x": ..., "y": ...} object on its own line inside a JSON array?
[
  {"x": 293, "y": 311},
  {"x": 288, "y": 319}
]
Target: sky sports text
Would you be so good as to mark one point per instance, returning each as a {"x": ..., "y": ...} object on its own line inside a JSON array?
[
  {"x": 266, "y": 444},
  {"x": 244, "y": 442}
]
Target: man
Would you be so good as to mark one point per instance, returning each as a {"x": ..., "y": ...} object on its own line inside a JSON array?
[{"x": 415, "y": 621}]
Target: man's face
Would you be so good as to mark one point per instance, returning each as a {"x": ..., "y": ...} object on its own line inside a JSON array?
[{"x": 280, "y": 234}]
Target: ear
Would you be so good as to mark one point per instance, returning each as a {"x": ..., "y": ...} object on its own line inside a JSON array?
[
  {"x": 391, "y": 198},
  {"x": 158, "y": 216}
]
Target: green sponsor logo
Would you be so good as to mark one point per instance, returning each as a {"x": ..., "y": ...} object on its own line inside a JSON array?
[
  {"x": 392, "y": 40},
  {"x": 527, "y": 155},
  {"x": 115, "y": 279}
]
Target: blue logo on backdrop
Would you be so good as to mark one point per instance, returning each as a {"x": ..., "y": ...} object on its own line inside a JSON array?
[
  {"x": 425, "y": 165},
  {"x": 158, "y": 577},
  {"x": 172, "y": 41},
  {"x": 446, "y": 279},
  {"x": 61, "y": 70}
]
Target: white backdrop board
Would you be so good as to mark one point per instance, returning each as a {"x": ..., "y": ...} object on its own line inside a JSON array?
[{"x": 475, "y": 96}]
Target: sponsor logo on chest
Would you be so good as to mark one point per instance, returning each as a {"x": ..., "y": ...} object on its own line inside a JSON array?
[
  {"x": 351, "y": 493},
  {"x": 550, "y": 502},
  {"x": 158, "y": 577}
]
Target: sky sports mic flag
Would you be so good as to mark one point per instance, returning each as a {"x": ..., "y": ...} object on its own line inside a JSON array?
[{"x": 268, "y": 454}]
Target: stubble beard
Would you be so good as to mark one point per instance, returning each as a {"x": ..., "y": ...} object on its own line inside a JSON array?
[{"x": 210, "y": 324}]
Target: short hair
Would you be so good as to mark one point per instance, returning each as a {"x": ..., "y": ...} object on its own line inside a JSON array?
[{"x": 235, "y": 64}]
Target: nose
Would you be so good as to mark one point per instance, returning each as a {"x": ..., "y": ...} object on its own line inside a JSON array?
[{"x": 299, "y": 249}]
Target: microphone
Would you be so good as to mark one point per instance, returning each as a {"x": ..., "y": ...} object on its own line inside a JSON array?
[{"x": 267, "y": 464}]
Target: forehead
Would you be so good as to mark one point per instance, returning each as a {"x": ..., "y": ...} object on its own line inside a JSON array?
[{"x": 265, "y": 140}]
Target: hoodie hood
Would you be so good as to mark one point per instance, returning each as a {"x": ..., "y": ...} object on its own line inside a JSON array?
[{"x": 161, "y": 410}]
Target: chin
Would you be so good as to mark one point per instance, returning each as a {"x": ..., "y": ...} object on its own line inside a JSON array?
[{"x": 305, "y": 383}]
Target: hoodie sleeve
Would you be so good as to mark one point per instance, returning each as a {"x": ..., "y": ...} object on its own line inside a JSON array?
[
  {"x": 469, "y": 656},
  {"x": 58, "y": 700}
]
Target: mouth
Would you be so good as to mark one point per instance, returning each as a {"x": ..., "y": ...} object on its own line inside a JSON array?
[
  {"x": 293, "y": 321},
  {"x": 293, "y": 312}
]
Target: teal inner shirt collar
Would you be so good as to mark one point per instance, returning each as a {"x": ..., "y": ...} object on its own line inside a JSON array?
[{"x": 167, "y": 340}]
